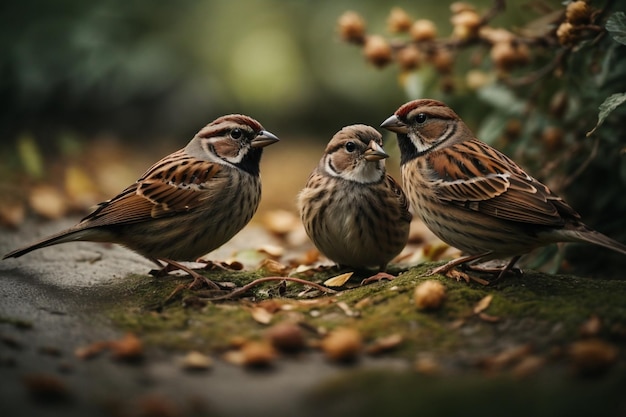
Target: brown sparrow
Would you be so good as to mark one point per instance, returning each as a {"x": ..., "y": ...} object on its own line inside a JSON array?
[
  {"x": 187, "y": 204},
  {"x": 475, "y": 198},
  {"x": 355, "y": 213}
]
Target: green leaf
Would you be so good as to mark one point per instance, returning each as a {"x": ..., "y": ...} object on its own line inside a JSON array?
[
  {"x": 30, "y": 155},
  {"x": 611, "y": 103},
  {"x": 616, "y": 24},
  {"x": 501, "y": 98}
]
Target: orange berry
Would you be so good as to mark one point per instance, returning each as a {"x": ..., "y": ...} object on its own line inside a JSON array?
[
  {"x": 443, "y": 61},
  {"x": 507, "y": 55},
  {"x": 377, "y": 50},
  {"x": 399, "y": 21},
  {"x": 409, "y": 57},
  {"x": 578, "y": 12},
  {"x": 465, "y": 24},
  {"x": 552, "y": 138},
  {"x": 459, "y": 6},
  {"x": 352, "y": 27},
  {"x": 423, "y": 30},
  {"x": 566, "y": 34},
  {"x": 513, "y": 128}
]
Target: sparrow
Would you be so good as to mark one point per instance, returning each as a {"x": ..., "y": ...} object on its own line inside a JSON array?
[
  {"x": 187, "y": 204},
  {"x": 352, "y": 210},
  {"x": 474, "y": 197}
]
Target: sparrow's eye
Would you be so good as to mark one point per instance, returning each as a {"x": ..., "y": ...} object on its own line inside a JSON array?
[
  {"x": 421, "y": 118},
  {"x": 236, "y": 133},
  {"x": 350, "y": 146}
]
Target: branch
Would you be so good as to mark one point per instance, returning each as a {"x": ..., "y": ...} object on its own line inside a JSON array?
[{"x": 258, "y": 281}]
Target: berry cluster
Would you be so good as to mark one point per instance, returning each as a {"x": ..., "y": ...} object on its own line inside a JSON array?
[{"x": 420, "y": 43}]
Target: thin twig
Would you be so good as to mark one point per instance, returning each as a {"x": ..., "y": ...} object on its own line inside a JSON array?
[
  {"x": 533, "y": 77},
  {"x": 258, "y": 281},
  {"x": 584, "y": 165}
]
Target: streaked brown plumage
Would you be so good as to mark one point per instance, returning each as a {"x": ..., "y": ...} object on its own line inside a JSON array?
[
  {"x": 475, "y": 198},
  {"x": 187, "y": 204},
  {"x": 354, "y": 212}
]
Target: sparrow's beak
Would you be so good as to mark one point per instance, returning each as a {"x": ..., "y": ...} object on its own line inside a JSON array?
[
  {"x": 395, "y": 125},
  {"x": 375, "y": 152},
  {"x": 263, "y": 139}
]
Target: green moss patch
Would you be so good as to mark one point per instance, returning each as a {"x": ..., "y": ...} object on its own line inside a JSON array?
[{"x": 543, "y": 310}]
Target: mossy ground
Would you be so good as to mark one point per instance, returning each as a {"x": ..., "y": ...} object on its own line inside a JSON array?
[{"x": 538, "y": 309}]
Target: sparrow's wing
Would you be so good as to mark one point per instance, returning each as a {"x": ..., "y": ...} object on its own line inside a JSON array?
[
  {"x": 175, "y": 184},
  {"x": 477, "y": 177}
]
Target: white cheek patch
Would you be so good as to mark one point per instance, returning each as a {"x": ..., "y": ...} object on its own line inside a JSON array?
[
  {"x": 418, "y": 142},
  {"x": 424, "y": 144},
  {"x": 206, "y": 145}
]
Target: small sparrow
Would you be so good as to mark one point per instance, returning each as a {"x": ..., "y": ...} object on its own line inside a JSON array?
[
  {"x": 187, "y": 204},
  {"x": 475, "y": 198},
  {"x": 355, "y": 213}
]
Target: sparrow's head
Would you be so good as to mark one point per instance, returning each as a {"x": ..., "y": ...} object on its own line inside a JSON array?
[
  {"x": 425, "y": 125},
  {"x": 355, "y": 153},
  {"x": 233, "y": 139}
]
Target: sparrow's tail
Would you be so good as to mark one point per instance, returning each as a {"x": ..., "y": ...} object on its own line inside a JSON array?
[{"x": 70, "y": 235}]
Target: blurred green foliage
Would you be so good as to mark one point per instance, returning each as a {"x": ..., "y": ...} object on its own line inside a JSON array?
[
  {"x": 144, "y": 69},
  {"x": 540, "y": 110}
]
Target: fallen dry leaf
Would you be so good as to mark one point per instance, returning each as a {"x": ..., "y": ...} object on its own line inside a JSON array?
[
  {"x": 309, "y": 257},
  {"x": 91, "y": 351},
  {"x": 274, "y": 267},
  {"x": 506, "y": 358},
  {"x": 483, "y": 304},
  {"x": 128, "y": 347},
  {"x": 347, "y": 310},
  {"x": 385, "y": 344},
  {"x": 364, "y": 302},
  {"x": 274, "y": 251},
  {"x": 261, "y": 315},
  {"x": 47, "y": 202},
  {"x": 81, "y": 190},
  {"x": 488, "y": 318},
  {"x": 12, "y": 214},
  {"x": 272, "y": 305},
  {"x": 458, "y": 275},
  {"x": 280, "y": 222},
  {"x": 528, "y": 366},
  {"x": 338, "y": 280},
  {"x": 592, "y": 356},
  {"x": 591, "y": 327},
  {"x": 196, "y": 361}
]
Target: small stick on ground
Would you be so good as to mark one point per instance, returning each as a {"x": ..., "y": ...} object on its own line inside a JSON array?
[{"x": 258, "y": 281}]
